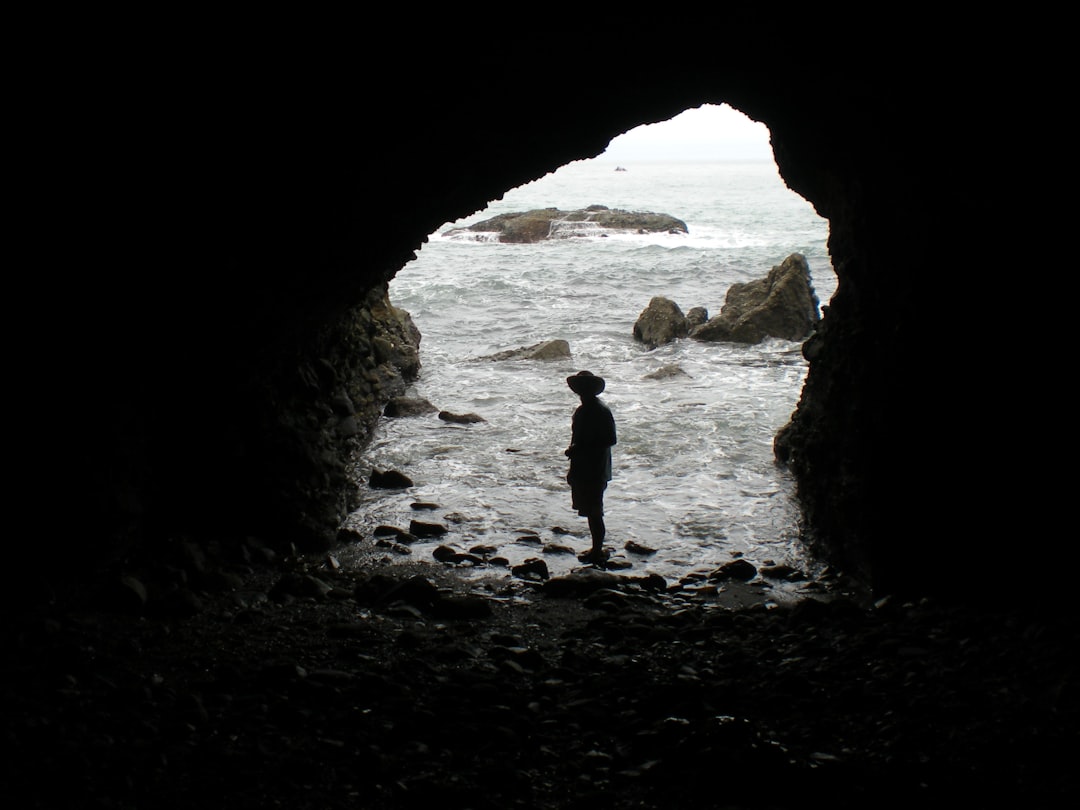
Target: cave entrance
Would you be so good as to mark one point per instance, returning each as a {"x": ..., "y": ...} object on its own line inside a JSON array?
[{"x": 694, "y": 477}]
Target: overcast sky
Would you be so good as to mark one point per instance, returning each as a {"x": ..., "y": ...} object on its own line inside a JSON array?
[{"x": 708, "y": 132}]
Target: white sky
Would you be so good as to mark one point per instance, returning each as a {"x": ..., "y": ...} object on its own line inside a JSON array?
[{"x": 708, "y": 132}]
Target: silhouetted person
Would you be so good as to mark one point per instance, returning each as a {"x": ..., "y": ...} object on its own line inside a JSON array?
[{"x": 592, "y": 437}]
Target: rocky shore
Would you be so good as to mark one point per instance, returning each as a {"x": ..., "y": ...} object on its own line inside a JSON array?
[{"x": 304, "y": 683}]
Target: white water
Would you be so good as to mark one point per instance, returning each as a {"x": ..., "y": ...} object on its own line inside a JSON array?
[{"x": 694, "y": 475}]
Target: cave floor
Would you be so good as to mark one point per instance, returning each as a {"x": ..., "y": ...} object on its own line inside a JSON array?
[{"x": 624, "y": 698}]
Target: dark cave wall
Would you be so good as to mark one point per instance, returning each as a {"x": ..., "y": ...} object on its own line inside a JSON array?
[
  {"x": 277, "y": 204},
  {"x": 908, "y": 439}
]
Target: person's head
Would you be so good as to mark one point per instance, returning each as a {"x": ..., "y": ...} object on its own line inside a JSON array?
[{"x": 586, "y": 384}]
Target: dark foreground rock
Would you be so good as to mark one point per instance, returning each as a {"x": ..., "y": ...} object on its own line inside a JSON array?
[{"x": 308, "y": 685}]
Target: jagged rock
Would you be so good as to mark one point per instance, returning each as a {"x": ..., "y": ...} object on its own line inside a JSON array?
[
  {"x": 660, "y": 322},
  {"x": 782, "y": 305},
  {"x": 547, "y": 350},
  {"x": 397, "y": 343},
  {"x": 551, "y": 223}
]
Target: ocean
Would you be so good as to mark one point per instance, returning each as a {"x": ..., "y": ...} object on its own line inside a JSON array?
[{"x": 694, "y": 476}]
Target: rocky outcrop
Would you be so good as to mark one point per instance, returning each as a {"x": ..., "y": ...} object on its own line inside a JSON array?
[
  {"x": 781, "y": 305},
  {"x": 552, "y": 223},
  {"x": 396, "y": 340},
  {"x": 327, "y": 402}
]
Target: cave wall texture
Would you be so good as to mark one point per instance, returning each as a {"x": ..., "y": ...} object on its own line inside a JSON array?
[{"x": 226, "y": 221}]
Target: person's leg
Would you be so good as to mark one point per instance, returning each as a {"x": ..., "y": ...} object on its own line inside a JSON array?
[{"x": 597, "y": 529}]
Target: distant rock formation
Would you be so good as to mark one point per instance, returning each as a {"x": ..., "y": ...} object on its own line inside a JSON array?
[
  {"x": 781, "y": 305},
  {"x": 551, "y": 223}
]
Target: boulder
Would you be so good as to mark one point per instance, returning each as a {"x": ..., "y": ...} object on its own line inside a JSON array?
[
  {"x": 660, "y": 322},
  {"x": 552, "y": 223},
  {"x": 389, "y": 479},
  {"x": 781, "y": 305},
  {"x": 547, "y": 350},
  {"x": 421, "y": 529},
  {"x": 461, "y": 418}
]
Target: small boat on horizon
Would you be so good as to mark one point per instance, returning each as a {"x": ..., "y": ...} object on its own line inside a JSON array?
[{"x": 620, "y": 169}]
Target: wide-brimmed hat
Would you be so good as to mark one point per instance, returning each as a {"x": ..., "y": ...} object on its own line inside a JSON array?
[{"x": 585, "y": 382}]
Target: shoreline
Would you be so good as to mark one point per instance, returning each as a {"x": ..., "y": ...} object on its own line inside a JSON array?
[{"x": 408, "y": 684}]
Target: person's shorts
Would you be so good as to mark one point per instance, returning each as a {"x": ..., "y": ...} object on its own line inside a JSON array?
[{"x": 588, "y": 499}]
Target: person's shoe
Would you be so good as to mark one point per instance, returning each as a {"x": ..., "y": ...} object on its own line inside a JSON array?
[{"x": 593, "y": 557}]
